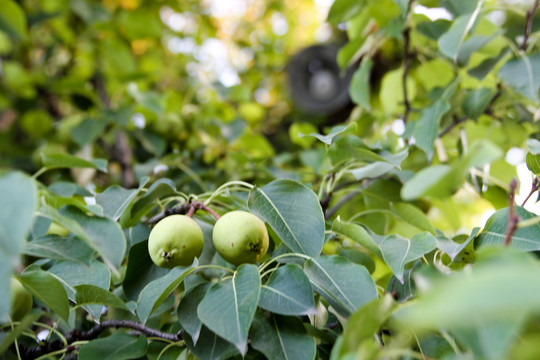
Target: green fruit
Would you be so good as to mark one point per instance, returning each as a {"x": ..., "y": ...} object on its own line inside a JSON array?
[
  {"x": 21, "y": 300},
  {"x": 175, "y": 241},
  {"x": 240, "y": 237}
]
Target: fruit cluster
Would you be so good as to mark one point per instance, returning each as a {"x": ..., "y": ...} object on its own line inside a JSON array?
[{"x": 238, "y": 236}]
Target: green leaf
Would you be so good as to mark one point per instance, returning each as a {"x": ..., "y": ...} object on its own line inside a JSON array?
[
  {"x": 19, "y": 199},
  {"x": 187, "y": 311},
  {"x": 534, "y": 146},
  {"x": 48, "y": 290},
  {"x": 476, "y": 102},
  {"x": 115, "y": 199},
  {"x": 59, "y": 248},
  {"x": 399, "y": 251},
  {"x": 372, "y": 170},
  {"x": 328, "y": 139},
  {"x": 523, "y": 74},
  {"x": 412, "y": 215},
  {"x": 451, "y": 41},
  {"x": 426, "y": 129},
  {"x": 533, "y": 163},
  {"x": 344, "y": 284},
  {"x": 273, "y": 203},
  {"x": 158, "y": 290},
  {"x": 490, "y": 339},
  {"x": 12, "y": 20},
  {"x": 25, "y": 323},
  {"x": 471, "y": 45},
  {"x": 451, "y": 248},
  {"x": 288, "y": 292},
  {"x": 54, "y": 161},
  {"x": 360, "y": 88},
  {"x": 433, "y": 29},
  {"x": 5, "y": 288},
  {"x": 485, "y": 67},
  {"x": 210, "y": 346},
  {"x": 343, "y": 10},
  {"x": 103, "y": 234},
  {"x": 459, "y": 7},
  {"x": 140, "y": 270},
  {"x": 68, "y": 189},
  {"x": 503, "y": 285},
  {"x": 280, "y": 337},
  {"x": 480, "y": 153},
  {"x": 160, "y": 189},
  {"x": 494, "y": 232},
  {"x": 73, "y": 274},
  {"x": 357, "y": 234},
  {"x": 228, "y": 307},
  {"x": 436, "y": 181},
  {"x": 87, "y": 131},
  {"x": 364, "y": 324},
  {"x": 91, "y": 294},
  {"x": 117, "y": 346},
  {"x": 352, "y": 147},
  {"x": 391, "y": 93}
]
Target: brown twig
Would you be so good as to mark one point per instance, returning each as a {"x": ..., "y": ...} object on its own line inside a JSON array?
[
  {"x": 535, "y": 186},
  {"x": 513, "y": 219},
  {"x": 188, "y": 209},
  {"x": 528, "y": 25},
  {"x": 121, "y": 151},
  {"x": 93, "y": 333},
  {"x": 455, "y": 122},
  {"x": 340, "y": 203},
  {"x": 458, "y": 120},
  {"x": 407, "y": 54}
]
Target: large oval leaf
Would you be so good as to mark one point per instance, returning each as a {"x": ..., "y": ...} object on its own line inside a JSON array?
[
  {"x": 140, "y": 270},
  {"x": 344, "y": 284},
  {"x": 357, "y": 234},
  {"x": 48, "y": 290},
  {"x": 12, "y": 20},
  {"x": 115, "y": 199},
  {"x": 187, "y": 311},
  {"x": 288, "y": 292},
  {"x": 398, "y": 251},
  {"x": 18, "y": 194},
  {"x": 103, "y": 234},
  {"x": 73, "y": 274},
  {"x": 279, "y": 203},
  {"x": 158, "y": 290},
  {"x": 91, "y": 294},
  {"x": 59, "y": 248},
  {"x": 210, "y": 346},
  {"x": 280, "y": 337},
  {"x": 494, "y": 232},
  {"x": 228, "y": 307},
  {"x": 115, "y": 347}
]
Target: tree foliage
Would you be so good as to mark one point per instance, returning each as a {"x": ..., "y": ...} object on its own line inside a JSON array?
[{"x": 378, "y": 248}]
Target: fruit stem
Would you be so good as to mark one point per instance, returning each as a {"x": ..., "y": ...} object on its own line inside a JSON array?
[
  {"x": 265, "y": 265},
  {"x": 197, "y": 205},
  {"x": 220, "y": 189}
]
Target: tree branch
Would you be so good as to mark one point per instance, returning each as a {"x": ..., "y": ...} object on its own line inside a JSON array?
[
  {"x": 528, "y": 25},
  {"x": 535, "y": 186},
  {"x": 121, "y": 151},
  {"x": 407, "y": 55},
  {"x": 76, "y": 335},
  {"x": 187, "y": 209},
  {"x": 489, "y": 111},
  {"x": 340, "y": 203},
  {"x": 513, "y": 219}
]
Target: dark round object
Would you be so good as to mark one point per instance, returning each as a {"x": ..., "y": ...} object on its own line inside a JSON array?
[{"x": 315, "y": 79}]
